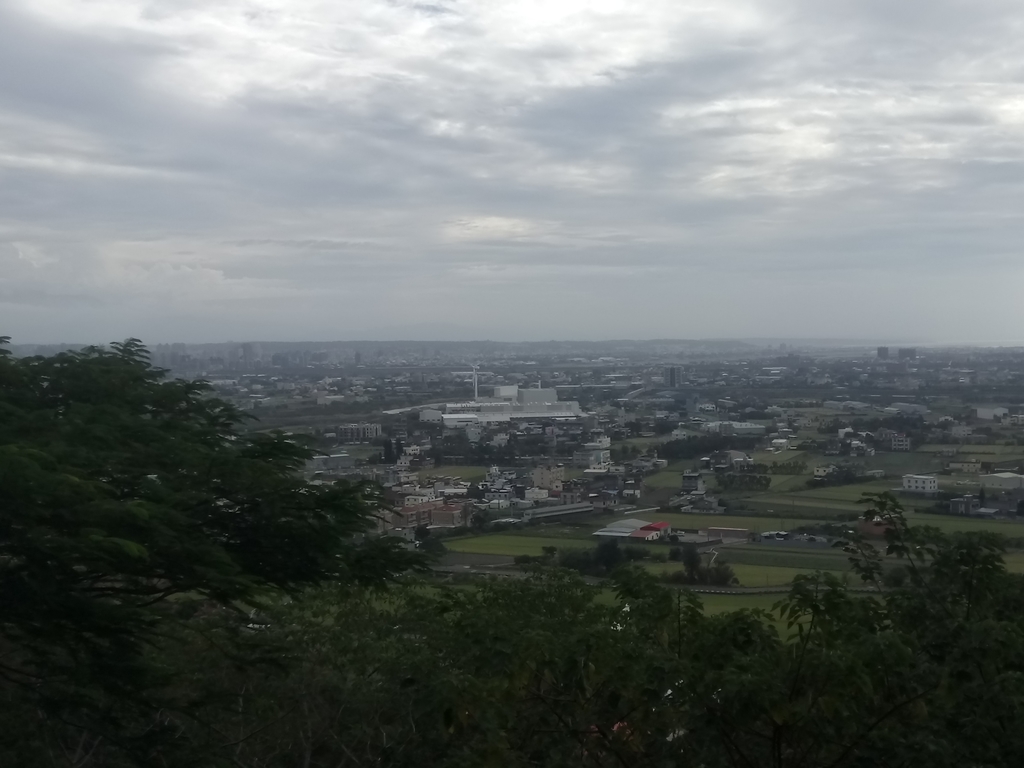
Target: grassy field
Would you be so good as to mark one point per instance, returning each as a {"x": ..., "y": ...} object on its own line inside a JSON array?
[
  {"x": 996, "y": 451},
  {"x": 795, "y": 508},
  {"x": 664, "y": 479},
  {"x": 771, "y": 556},
  {"x": 770, "y": 457},
  {"x": 950, "y": 524},
  {"x": 770, "y": 575},
  {"x": 1014, "y": 562},
  {"x": 751, "y": 575},
  {"x": 467, "y": 473},
  {"x": 902, "y": 463},
  {"x": 643, "y": 443},
  {"x": 511, "y": 544},
  {"x": 781, "y": 483},
  {"x": 722, "y": 603},
  {"x": 361, "y": 451},
  {"x": 852, "y": 492}
]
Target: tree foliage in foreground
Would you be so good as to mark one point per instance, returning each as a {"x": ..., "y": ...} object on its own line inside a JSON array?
[
  {"x": 128, "y": 504},
  {"x": 546, "y": 672}
]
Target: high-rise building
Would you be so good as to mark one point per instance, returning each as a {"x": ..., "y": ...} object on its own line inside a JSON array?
[
  {"x": 883, "y": 353},
  {"x": 673, "y": 376},
  {"x": 907, "y": 353}
]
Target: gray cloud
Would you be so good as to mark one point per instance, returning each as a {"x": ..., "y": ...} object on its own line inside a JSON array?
[{"x": 518, "y": 170}]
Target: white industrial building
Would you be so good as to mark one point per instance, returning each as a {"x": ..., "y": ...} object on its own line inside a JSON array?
[
  {"x": 1002, "y": 481},
  {"x": 509, "y": 403},
  {"x": 738, "y": 428},
  {"x": 991, "y": 412}
]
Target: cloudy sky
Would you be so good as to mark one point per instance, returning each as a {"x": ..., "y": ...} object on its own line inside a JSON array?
[{"x": 202, "y": 170}]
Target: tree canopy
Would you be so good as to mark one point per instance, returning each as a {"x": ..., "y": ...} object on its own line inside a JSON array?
[{"x": 127, "y": 499}]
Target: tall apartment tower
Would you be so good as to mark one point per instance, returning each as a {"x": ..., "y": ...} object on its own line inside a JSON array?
[
  {"x": 883, "y": 353},
  {"x": 673, "y": 376}
]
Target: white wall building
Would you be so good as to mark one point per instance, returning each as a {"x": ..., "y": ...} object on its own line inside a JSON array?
[
  {"x": 733, "y": 428},
  {"x": 990, "y": 412},
  {"x": 548, "y": 478},
  {"x": 1002, "y": 481},
  {"x": 900, "y": 443},
  {"x": 924, "y": 484}
]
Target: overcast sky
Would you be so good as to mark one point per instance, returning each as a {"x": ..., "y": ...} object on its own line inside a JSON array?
[{"x": 202, "y": 170}]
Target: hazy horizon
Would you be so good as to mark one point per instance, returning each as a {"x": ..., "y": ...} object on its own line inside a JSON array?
[
  {"x": 397, "y": 170},
  {"x": 763, "y": 342}
]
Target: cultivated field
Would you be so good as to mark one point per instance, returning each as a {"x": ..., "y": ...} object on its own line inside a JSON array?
[
  {"x": 512, "y": 544},
  {"x": 467, "y": 473},
  {"x": 749, "y": 575}
]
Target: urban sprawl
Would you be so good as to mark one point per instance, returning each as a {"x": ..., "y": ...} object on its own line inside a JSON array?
[{"x": 757, "y": 453}]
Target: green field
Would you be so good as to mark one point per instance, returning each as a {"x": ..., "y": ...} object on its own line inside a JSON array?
[
  {"x": 361, "y": 451},
  {"x": 994, "y": 452},
  {"x": 664, "y": 479},
  {"x": 750, "y": 575},
  {"x": 772, "y": 556},
  {"x": 770, "y": 576},
  {"x": 721, "y": 603},
  {"x": 467, "y": 473},
  {"x": 951, "y": 524},
  {"x": 902, "y": 463},
  {"x": 795, "y": 507},
  {"x": 643, "y": 443},
  {"x": 782, "y": 457},
  {"x": 512, "y": 544}
]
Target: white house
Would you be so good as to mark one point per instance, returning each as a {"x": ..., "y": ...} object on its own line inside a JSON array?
[{"x": 924, "y": 484}]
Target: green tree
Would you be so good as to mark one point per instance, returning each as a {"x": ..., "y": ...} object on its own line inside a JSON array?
[
  {"x": 129, "y": 502},
  {"x": 691, "y": 559}
]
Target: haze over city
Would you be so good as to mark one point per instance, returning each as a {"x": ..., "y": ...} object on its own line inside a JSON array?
[{"x": 259, "y": 170}]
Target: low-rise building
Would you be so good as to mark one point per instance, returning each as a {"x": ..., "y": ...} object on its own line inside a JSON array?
[
  {"x": 634, "y": 529},
  {"x": 353, "y": 433},
  {"x": 550, "y": 477},
  {"x": 450, "y": 516},
  {"x": 991, "y": 412},
  {"x": 1002, "y": 481},
  {"x": 900, "y": 442},
  {"x": 597, "y": 459},
  {"x": 693, "y": 482},
  {"x": 965, "y": 505},
  {"x": 922, "y": 484},
  {"x": 965, "y": 466}
]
